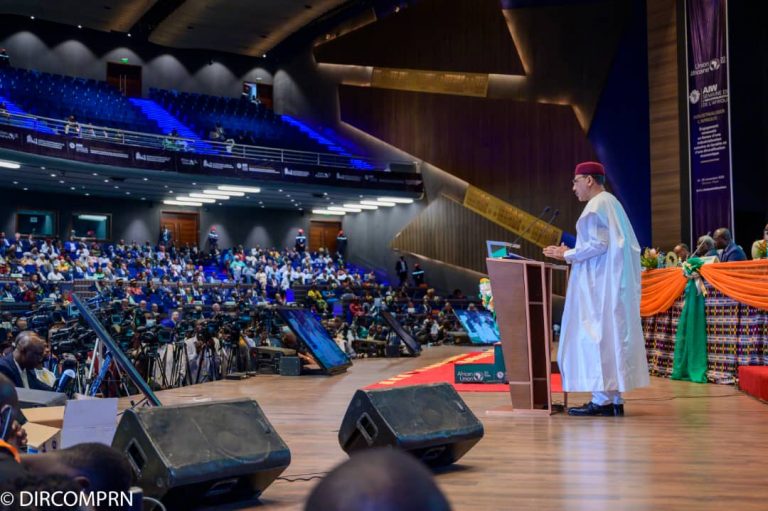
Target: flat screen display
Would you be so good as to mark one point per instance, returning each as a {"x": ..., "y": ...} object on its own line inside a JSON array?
[
  {"x": 315, "y": 337},
  {"x": 411, "y": 344},
  {"x": 480, "y": 326}
]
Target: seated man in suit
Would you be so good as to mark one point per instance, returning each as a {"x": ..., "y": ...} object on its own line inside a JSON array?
[
  {"x": 730, "y": 250},
  {"x": 20, "y": 364}
]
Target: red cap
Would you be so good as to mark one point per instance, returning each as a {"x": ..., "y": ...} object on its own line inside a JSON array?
[{"x": 590, "y": 168}]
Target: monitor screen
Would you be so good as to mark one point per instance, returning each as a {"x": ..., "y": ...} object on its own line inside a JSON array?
[
  {"x": 480, "y": 326},
  {"x": 411, "y": 344},
  {"x": 316, "y": 338}
]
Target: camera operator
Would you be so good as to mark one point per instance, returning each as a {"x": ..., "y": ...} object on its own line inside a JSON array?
[{"x": 203, "y": 352}]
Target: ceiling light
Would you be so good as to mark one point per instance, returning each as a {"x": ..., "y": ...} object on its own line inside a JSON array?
[
  {"x": 129, "y": 34},
  {"x": 95, "y": 218},
  {"x": 360, "y": 206},
  {"x": 327, "y": 212},
  {"x": 182, "y": 203},
  {"x": 397, "y": 200},
  {"x": 127, "y": 193},
  {"x": 26, "y": 189},
  {"x": 9, "y": 164},
  {"x": 106, "y": 180},
  {"x": 53, "y": 175},
  {"x": 61, "y": 181},
  {"x": 117, "y": 187},
  {"x": 280, "y": 190},
  {"x": 42, "y": 168},
  {"x": 377, "y": 203},
  {"x": 79, "y": 26},
  {"x": 87, "y": 194},
  {"x": 206, "y": 200},
  {"x": 194, "y": 183},
  {"x": 95, "y": 173},
  {"x": 247, "y": 189},
  {"x": 15, "y": 182},
  {"x": 221, "y": 193},
  {"x": 145, "y": 179},
  {"x": 31, "y": 17},
  {"x": 344, "y": 208},
  {"x": 72, "y": 188}
]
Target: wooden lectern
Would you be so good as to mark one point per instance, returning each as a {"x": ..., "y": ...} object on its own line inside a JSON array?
[{"x": 522, "y": 299}]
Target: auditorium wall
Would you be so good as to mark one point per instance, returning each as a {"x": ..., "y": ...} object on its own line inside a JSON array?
[
  {"x": 67, "y": 50},
  {"x": 140, "y": 220}
]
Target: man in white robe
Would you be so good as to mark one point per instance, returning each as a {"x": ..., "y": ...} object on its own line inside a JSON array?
[{"x": 602, "y": 349}]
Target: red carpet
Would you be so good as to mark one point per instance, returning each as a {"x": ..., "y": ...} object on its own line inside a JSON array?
[
  {"x": 754, "y": 381},
  {"x": 443, "y": 372}
]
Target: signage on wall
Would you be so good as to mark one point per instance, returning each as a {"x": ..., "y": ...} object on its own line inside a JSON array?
[{"x": 709, "y": 140}]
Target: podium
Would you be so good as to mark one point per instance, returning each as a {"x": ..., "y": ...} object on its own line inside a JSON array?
[{"x": 522, "y": 299}]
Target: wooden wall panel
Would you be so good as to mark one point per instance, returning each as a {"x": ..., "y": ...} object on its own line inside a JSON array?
[
  {"x": 523, "y": 153},
  {"x": 665, "y": 123}
]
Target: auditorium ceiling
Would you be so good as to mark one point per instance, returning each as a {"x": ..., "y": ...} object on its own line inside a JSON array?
[
  {"x": 106, "y": 15},
  {"x": 245, "y": 27}
]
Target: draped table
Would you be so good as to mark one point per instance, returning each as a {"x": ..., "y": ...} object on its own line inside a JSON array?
[{"x": 736, "y": 310}]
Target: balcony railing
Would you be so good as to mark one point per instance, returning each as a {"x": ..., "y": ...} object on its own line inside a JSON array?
[{"x": 180, "y": 144}]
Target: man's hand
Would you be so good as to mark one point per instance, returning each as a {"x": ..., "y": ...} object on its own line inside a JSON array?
[
  {"x": 18, "y": 437},
  {"x": 556, "y": 252}
]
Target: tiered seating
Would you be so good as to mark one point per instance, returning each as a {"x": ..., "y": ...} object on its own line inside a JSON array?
[
  {"x": 242, "y": 120},
  {"x": 56, "y": 96}
]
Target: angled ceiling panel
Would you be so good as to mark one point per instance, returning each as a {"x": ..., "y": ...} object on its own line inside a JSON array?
[
  {"x": 247, "y": 27},
  {"x": 431, "y": 35},
  {"x": 106, "y": 15}
]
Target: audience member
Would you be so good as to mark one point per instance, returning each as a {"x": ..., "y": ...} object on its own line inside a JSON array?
[
  {"x": 729, "y": 250},
  {"x": 705, "y": 247},
  {"x": 20, "y": 365},
  {"x": 378, "y": 480},
  {"x": 681, "y": 251}
]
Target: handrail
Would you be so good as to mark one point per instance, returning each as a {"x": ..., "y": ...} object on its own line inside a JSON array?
[{"x": 181, "y": 144}]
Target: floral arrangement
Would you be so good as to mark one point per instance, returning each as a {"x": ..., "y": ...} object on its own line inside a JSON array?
[{"x": 650, "y": 259}]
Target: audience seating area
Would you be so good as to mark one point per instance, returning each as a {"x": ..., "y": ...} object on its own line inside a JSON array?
[
  {"x": 242, "y": 120},
  {"x": 193, "y": 116},
  {"x": 56, "y": 96}
]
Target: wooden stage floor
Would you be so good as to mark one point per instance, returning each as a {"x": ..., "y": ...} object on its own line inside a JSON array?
[{"x": 680, "y": 446}]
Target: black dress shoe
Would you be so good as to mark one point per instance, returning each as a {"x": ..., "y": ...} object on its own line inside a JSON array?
[{"x": 592, "y": 410}]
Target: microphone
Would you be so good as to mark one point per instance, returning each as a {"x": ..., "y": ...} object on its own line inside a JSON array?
[
  {"x": 65, "y": 380},
  {"x": 528, "y": 228},
  {"x": 552, "y": 218}
]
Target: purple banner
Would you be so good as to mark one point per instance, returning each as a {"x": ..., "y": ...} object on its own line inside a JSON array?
[{"x": 709, "y": 142}]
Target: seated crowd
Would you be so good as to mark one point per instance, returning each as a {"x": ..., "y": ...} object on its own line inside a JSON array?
[{"x": 39, "y": 266}]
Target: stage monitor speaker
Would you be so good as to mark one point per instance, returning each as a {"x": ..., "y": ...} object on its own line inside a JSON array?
[
  {"x": 29, "y": 398},
  {"x": 430, "y": 421},
  {"x": 202, "y": 453}
]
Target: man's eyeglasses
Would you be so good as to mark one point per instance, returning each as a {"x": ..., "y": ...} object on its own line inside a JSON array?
[{"x": 577, "y": 179}]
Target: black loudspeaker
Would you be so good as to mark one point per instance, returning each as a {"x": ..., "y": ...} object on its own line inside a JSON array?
[
  {"x": 430, "y": 421},
  {"x": 29, "y": 398},
  {"x": 203, "y": 453}
]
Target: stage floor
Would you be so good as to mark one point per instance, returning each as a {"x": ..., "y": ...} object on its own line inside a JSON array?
[{"x": 680, "y": 446}]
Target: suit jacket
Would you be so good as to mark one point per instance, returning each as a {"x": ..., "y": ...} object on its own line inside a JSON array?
[
  {"x": 9, "y": 369},
  {"x": 733, "y": 252}
]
